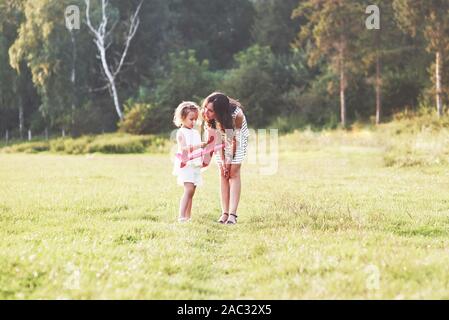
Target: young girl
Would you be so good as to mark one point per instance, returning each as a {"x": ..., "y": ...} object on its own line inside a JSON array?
[{"x": 188, "y": 171}]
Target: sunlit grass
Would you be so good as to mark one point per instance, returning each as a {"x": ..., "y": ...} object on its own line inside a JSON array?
[{"x": 334, "y": 222}]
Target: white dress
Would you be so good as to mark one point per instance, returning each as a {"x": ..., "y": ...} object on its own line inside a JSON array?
[{"x": 192, "y": 171}]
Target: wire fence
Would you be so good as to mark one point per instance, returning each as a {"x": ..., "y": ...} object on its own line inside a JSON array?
[{"x": 12, "y": 137}]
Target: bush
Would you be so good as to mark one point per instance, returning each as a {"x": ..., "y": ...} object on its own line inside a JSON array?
[
  {"x": 288, "y": 124},
  {"x": 417, "y": 140},
  {"x": 184, "y": 79},
  {"x": 252, "y": 82},
  {"x": 313, "y": 107},
  {"x": 117, "y": 144},
  {"x": 136, "y": 119},
  {"x": 94, "y": 118},
  {"x": 262, "y": 80},
  {"x": 77, "y": 146},
  {"x": 108, "y": 143},
  {"x": 57, "y": 145},
  {"x": 28, "y": 147}
]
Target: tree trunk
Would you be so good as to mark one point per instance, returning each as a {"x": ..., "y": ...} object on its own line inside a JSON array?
[
  {"x": 111, "y": 80},
  {"x": 101, "y": 35},
  {"x": 116, "y": 101},
  {"x": 438, "y": 84},
  {"x": 21, "y": 117},
  {"x": 342, "y": 91},
  {"x": 378, "y": 89},
  {"x": 73, "y": 77}
]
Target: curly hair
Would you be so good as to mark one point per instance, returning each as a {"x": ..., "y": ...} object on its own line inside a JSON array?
[{"x": 183, "y": 110}]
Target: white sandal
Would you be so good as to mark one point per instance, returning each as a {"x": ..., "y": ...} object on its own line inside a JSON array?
[{"x": 232, "y": 222}]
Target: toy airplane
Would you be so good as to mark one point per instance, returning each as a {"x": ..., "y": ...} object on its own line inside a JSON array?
[{"x": 199, "y": 153}]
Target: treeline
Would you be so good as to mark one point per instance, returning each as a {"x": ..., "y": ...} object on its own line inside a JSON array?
[{"x": 291, "y": 63}]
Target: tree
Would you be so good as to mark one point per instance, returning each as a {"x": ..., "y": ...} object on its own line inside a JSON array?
[
  {"x": 17, "y": 95},
  {"x": 432, "y": 18},
  {"x": 103, "y": 41},
  {"x": 381, "y": 48},
  {"x": 44, "y": 45},
  {"x": 332, "y": 29},
  {"x": 7, "y": 76},
  {"x": 185, "y": 79},
  {"x": 262, "y": 80},
  {"x": 273, "y": 26}
]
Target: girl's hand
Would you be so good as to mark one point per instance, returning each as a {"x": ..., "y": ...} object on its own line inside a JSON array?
[
  {"x": 223, "y": 171},
  {"x": 228, "y": 170}
]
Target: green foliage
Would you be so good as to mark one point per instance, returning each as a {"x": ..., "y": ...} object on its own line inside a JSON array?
[
  {"x": 28, "y": 147},
  {"x": 185, "y": 79},
  {"x": 183, "y": 50},
  {"x": 76, "y": 146},
  {"x": 43, "y": 42},
  {"x": 431, "y": 20},
  {"x": 215, "y": 29},
  {"x": 136, "y": 119},
  {"x": 92, "y": 118},
  {"x": 108, "y": 143},
  {"x": 253, "y": 84},
  {"x": 260, "y": 81},
  {"x": 315, "y": 104},
  {"x": 117, "y": 145},
  {"x": 417, "y": 140},
  {"x": 333, "y": 28},
  {"x": 273, "y": 26}
]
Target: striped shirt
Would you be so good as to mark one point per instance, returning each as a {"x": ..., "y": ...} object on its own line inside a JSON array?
[{"x": 241, "y": 136}]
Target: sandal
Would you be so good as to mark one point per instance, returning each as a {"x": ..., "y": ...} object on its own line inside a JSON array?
[
  {"x": 223, "y": 218},
  {"x": 232, "y": 222}
]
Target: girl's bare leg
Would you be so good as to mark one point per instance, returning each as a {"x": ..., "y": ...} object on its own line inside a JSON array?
[
  {"x": 189, "y": 190},
  {"x": 189, "y": 209},
  {"x": 189, "y": 205},
  {"x": 235, "y": 187}
]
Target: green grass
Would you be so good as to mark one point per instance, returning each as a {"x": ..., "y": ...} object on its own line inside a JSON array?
[{"x": 334, "y": 222}]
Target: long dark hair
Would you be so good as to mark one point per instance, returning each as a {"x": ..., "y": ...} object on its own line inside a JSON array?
[{"x": 224, "y": 107}]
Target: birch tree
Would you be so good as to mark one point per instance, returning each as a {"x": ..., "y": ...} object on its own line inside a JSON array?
[{"x": 102, "y": 40}]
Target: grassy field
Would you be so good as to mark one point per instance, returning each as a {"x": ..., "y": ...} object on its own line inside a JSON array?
[{"x": 336, "y": 221}]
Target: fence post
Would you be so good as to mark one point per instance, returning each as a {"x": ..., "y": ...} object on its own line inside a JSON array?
[
  {"x": 63, "y": 133},
  {"x": 46, "y": 133},
  {"x": 29, "y": 135},
  {"x": 7, "y": 137}
]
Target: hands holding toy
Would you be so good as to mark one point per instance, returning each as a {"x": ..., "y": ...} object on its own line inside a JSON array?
[{"x": 193, "y": 152}]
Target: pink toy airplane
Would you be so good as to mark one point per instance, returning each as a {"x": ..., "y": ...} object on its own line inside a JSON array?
[{"x": 198, "y": 153}]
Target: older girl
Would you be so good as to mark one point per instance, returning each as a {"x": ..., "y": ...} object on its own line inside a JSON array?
[{"x": 226, "y": 116}]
